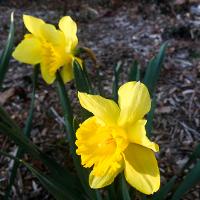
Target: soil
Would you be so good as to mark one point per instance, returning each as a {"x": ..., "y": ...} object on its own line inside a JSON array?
[{"x": 115, "y": 31}]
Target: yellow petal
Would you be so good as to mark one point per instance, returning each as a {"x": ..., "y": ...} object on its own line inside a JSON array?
[
  {"x": 102, "y": 181},
  {"x": 137, "y": 134},
  {"x": 67, "y": 73},
  {"x": 68, "y": 26},
  {"x": 134, "y": 102},
  {"x": 52, "y": 35},
  {"x": 28, "y": 51},
  {"x": 33, "y": 24},
  {"x": 47, "y": 76},
  {"x": 141, "y": 169},
  {"x": 105, "y": 109}
]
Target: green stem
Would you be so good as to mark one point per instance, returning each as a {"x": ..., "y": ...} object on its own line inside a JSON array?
[
  {"x": 5, "y": 56},
  {"x": 27, "y": 131},
  {"x": 111, "y": 192},
  {"x": 68, "y": 117},
  {"x": 124, "y": 193}
]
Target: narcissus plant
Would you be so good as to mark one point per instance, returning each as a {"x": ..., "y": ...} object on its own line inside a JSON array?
[
  {"x": 114, "y": 139},
  {"x": 52, "y": 48}
]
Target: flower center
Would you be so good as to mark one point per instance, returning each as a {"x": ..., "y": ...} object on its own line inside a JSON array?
[
  {"x": 51, "y": 58},
  {"x": 101, "y": 146},
  {"x": 112, "y": 138}
]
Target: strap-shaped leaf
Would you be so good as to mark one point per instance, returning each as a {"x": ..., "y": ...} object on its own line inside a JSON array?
[
  {"x": 191, "y": 179},
  {"x": 117, "y": 71},
  {"x": 58, "y": 173},
  {"x": 5, "y": 57},
  {"x": 124, "y": 193},
  {"x": 69, "y": 125},
  {"x": 57, "y": 189},
  {"x": 195, "y": 154},
  {"x": 81, "y": 78},
  {"x": 27, "y": 131},
  {"x": 82, "y": 84},
  {"x": 134, "y": 73},
  {"x": 164, "y": 190},
  {"x": 153, "y": 69},
  {"x": 150, "y": 117}
]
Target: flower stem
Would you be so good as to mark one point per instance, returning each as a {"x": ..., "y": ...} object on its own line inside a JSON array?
[
  {"x": 68, "y": 117},
  {"x": 27, "y": 131}
]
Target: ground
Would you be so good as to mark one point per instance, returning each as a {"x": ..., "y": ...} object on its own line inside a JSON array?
[{"x": 117, "y": 31}]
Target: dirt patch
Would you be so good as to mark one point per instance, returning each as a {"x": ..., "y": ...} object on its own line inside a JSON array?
[{"x": 124, "y": 33}]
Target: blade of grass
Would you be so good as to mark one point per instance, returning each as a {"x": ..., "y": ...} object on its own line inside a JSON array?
[
  {"x": 150, "y": 117},
  {"x": 111, "y": 191},
  {"x": 153, "y": 69},
  {"x": 124, "y": 193},
  {"x": 5, "y": 57},
  {"x": 81, "y": 78},
  {"x": 117, "y": 70},
  {"x": 57, "y": 172},
  {"x": 58, "y": 190},
  {"x": 89, "y": 83},
  {"x": 195, "y": 154},
  {"x": 68, "y": 116},
  {"x": 4, "y": 117},
  {"x": 49, "y": 183},
  {"x": 191, "y": 179},
  {"x": 82, "y": 85},
  {"x": 27, "y": 131},
  {"x": 67, "y": 110},
  {"x": 134, "y": 74},
  {"x": 164, "y": 190}
]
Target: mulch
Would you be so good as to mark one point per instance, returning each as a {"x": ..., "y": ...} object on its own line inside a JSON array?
[{"x": 132, "y": 30}]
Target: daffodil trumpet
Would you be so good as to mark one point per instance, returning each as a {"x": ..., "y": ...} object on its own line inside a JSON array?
[
  {"x": 54, "y": 49},
  {"x": 114, "y": 139}
]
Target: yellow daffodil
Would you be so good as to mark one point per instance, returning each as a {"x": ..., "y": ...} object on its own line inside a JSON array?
[
  {"x": 52, "y": 48},
  {"x": 114, "y": 139}
]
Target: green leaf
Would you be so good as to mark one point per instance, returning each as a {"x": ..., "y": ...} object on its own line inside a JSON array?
[
  {"x": 5, "y": 57},
  {"x": 164, "y": 190},
  {"x": 153, "y": 69},
  {"x": 134, "y": 73},
  {"x": 82, "y": 84},
  {"x": 67, "y": 111},
  {"x": 57, "y": 189},
  {"x": 191, "y": 179},
  {"x": 150, "y": 117},
  {"x": 81, "y": 78},
  {"x": 124, "y": 189},
  {"x": 111, "y": 191},
  {"x": 117, "y": 71},
  {"x": 27, "y": 131},
  {"x": 195, "y": 154},
  {"x": 58, "y": 173},
  {"x": 5, "y": 118},
  {"x": 69, "y": 123}
]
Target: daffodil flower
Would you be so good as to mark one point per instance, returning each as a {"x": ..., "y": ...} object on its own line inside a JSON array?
[
  {"x": 114, "y": 139},
  {"x": 52, "y": 48}
]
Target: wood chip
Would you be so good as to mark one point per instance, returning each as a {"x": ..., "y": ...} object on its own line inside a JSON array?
[{"x": 4, "y": 96}]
